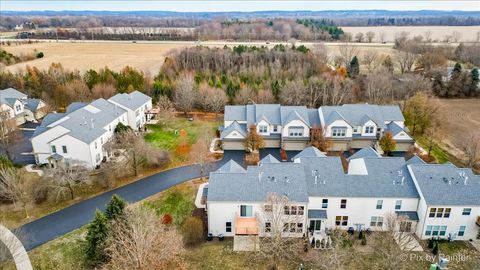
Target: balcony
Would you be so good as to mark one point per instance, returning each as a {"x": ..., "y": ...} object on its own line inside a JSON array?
[{"x": 246, "y": 226}]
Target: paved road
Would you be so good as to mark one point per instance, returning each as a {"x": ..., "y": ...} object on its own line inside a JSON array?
[
  {"x": 47, "y": 228},
  {"x": 73, "y": 217}
]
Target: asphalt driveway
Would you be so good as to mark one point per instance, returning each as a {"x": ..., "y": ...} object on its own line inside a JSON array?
[
  {"x": 24, "y": 145},
  {"x": 47, "y": 228}
]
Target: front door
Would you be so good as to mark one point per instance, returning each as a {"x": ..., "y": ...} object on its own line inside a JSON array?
[
  {"x": 405, "y": 226},
  {"x": 315, "y": 225}
]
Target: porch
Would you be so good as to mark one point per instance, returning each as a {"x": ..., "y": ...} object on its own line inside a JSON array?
[{"x": 246, "y": 225}]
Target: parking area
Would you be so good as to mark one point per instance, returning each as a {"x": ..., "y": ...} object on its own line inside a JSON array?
[{"x": 23, "y": 148}]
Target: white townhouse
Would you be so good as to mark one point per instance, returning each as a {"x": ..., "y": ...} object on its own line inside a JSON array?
[
  {"x": 324, "y": 196},
  {"x": 137, "y": 106},
  {"x": 79, "y": 134},
  {"x": 16, "y": 105},
  {"x": 287, "y": 127},
  {"x": 348, "y": 126}
]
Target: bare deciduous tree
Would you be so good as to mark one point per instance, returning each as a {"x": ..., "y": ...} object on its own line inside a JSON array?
[
  {"x": 370, "y": 59},
  {"x": 471, "y": 147},
  {"x": 456, "y": 35},
  {"x": 405, "y": 59},
  {"x": 211, "y": 99},
  {"x": 359, "y": 37},
  {"x": 379, "y": 87},
  {"x": 103, "y": 90},
  {"x": 166, "y": 108},
  {"x": 293, "y": 93},
  {"x": 138, "y": 240},
  {"x": 184, "y": 95},
  {"x": 370, "y": 36},
  {"x": 277, "y": 223},
  {"x": 64, "y": 180},
  {"x": 14, "y": 187},
  {"x": 347, "y": 52},
  {"x": 10, "y": 135}
]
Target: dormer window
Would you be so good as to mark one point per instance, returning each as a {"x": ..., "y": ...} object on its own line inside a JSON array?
[
  {"x": 295, "y": 131},
  {"x": 18, "y": 108},
  {"x": 262, "y": 129},
  {"x": 275, "y": 128},
  {"x": 369, "y": 129},
  {"x": 339, "y": 132}
]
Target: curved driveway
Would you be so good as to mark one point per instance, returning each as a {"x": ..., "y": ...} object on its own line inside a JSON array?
[{"x": 75, "y": 216}]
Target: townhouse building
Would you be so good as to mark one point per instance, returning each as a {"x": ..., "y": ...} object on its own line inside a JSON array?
[
  {"x": 433, "y": 200},
  {"x": 350, "y": 126},
  {"x": 79, "y": 135},
  {"x": 16, "y": 106}
]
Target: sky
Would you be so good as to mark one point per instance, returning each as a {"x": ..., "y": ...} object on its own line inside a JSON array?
[{"x": 237, "y": 5}]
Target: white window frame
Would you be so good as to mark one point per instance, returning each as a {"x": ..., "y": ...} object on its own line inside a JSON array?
[
  {"x": 439, "y": 212},
  {"x": 369, "y": 129},
  {"x": 341, "y": 221},
  {"x": 376, "y": 221},
  {"x": 324, "y": 203},
  {"x": 295, "y": 131},
  {"x": 262, "y": 129},
  {"x": 466, "y": 211},
  {"x": 436, "y": 230},
  {"x": 379, "y": 205},
  {"x": 461, "y": 230},
  {"x": 339, "y": 132},
  {"x": 398, "y": 204}
]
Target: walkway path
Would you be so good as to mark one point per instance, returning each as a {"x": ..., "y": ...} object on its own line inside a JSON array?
[
  {"x": 16, "y": 249},
  {"x": 73, "y": 217}
]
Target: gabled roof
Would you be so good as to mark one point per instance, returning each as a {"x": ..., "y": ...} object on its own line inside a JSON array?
[
  {"x": 12, "y": 94},
  {"x": 314, "y": 118},
  {"x": 10, "y": 101},
  {"x": 268, "y": 112},
  {"x": 445, "y": 184},
  {"x": 32, "y": 104},
  {"x": 235, "y": 113},
  {"x": 365, "y": 119},
  {"x": 231, "y": 167},
  {"x": 75, "y": 106},
  {"x": 235, "y": 126},
  {"x": 415, "y": 160},
  {"x": 365, "y": 152},
  {"x": 394, "y": 128},
  {"x": 269, "y": 159},
  {"x": 309, "y": 152},
  {"x": 290, "y": 113},
  {"x": 356, "y": 114},
  {"x": 132, "y": 101}
]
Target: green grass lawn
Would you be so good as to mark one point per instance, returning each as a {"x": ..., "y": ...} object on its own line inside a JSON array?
[
  {"x": 166, "y": 134},
  {"x": 437, "y": 152}
]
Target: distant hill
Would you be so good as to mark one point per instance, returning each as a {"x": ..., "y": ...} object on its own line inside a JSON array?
[{"x": 253, "y": 14}]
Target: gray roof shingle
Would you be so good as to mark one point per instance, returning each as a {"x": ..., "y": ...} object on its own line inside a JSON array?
[
  {"x": 32, "y": 104},
  {"x": 133, "y": 101},
  {"x": 309, "y": 151},
  {"x": 10, "y": 93},
  {"x": 269, "y": 159},
  {"x": 235, "y": 126},
  {"x": 443, "y": 184},
  {"x": 357, "y": 114},
  {"x": 365, "y": 152}
]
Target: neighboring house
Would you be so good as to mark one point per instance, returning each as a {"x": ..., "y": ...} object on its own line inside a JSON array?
[
  {"x": 360, "y": 125},
  {"x": 434, "y": 200},
  {"x": 348, "y": 126},
  {"x": 79, "y": 134},
  {"x": 280, "y": 126},
  {"x": 137, "y": 105},
  {"x": 17, "y": 106}
]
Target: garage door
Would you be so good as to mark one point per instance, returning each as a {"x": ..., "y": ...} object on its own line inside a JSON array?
[
  {"x": 294, "y": 146},
  {"x": 233, "y": 145},
  {"x": 339, "y": 146},
  {"x": 272, "y": 143},
  {"x": 358, "y": 144},
  {"x": 403, "y": 146}
]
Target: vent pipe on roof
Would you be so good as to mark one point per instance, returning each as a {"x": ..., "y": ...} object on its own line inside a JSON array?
[
  {"x": 260, "y": 176},
  {"x": 403, "y": 179},
  {"x": 465, "y": 182},
  {"x": 93, "y": 123},
  {"x": 316, "y": 179}
]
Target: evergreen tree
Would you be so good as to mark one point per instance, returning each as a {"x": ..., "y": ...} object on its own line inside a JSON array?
[
  {"x": 435, "y": 249},
  {"x": 388, "y": 64},
  {"x": 97, "y": 232},
  {"x": 474, "y": 80},
  {"x": 354, "y": 68},
  {"x": 120, "y": 128},
  {"x": 456, "y": 84},
  {"x": 115, "y": 207}
]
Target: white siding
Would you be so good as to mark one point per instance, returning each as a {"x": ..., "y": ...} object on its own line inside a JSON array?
[
  {"x": 296, "y": 123},
  {"x": 339, "y": 123}
]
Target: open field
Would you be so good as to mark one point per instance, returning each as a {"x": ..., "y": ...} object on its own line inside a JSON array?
[
  {"x": 145, "y": 56},
  {"x": 437, "y": 33},
  {"x": 462, "y": 117}
]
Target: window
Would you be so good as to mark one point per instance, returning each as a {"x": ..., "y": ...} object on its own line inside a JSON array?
[
  {"x": 275, "y": 128},
  {"x": 436, "y": 230},
  {"x": 101, "y": 140},
  {"x": 245, "y": 210},
  {"x": 18, "y": 108},
  {"x": 301, "y": 210},
  {"x": 343, "y": 203},
  {"x": 268, "y": 227},
  {"x": 376, "y": 221},
  {"x": 299, "y": 227},
  {"x": 325, "y": 203},
  {"x": 439, "y": 212},
  {"x": 379, "y": 204},
  {"x": 54, "y": 149},
  {"x": 398, "y": 205},
  {"x": 262, "y": 129},
  {"x": 339, "y": 132},
  {"x": 355, "y": 129},
  {"x": 286, "y": 210},
  {"x": 341, "y": 220},
  {"x": 405, "y": 226},
  {"x": 295, "y": 131},
  {"x": 369, "y": 129},
  {"x": 285, "y": 227},
  {"x": 228, "y": 226},
  {"x": 315, "y": 225},
  {"x": 97, "y": 158},
  {"x": 95, "y": 144},
  {"x": 294, "y": 210},
  {"x": 466, "y": 211},
  {"x": 110, "y": 128},
  {"x": 268, "y": 208},
  {"x": 64, "y": 149},
  {"x": 293, "y": 227},
  {"x": 461, "y": 231},
  {"x": 137, "y": 112}
]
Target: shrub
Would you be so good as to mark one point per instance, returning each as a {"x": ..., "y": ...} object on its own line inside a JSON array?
[
  {"x": 40, "y": 55},
  {"x": 40, "y": 194},
  {"x": 192, "y": 231},
  {"x": 167, "y": 219},
  {"x": 115, "y": 207},
  {"x": 430, "y": 243},
  {"x": 435, "y": 248}
]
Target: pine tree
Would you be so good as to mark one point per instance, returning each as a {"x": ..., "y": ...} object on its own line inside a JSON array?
[
  {"x": 388, "y": 64},
  {"x": 474, "y": 80},
  {"x": 455, "y": 84},
  {"x": 354, "y": 68},
  {"x": 97, "y": 232},
  {"x": 115, "y": 207},
  {"x": 435, "y": 249}
]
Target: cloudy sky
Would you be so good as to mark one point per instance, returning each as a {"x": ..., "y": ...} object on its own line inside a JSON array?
[{"x": 238, "y": 5}]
